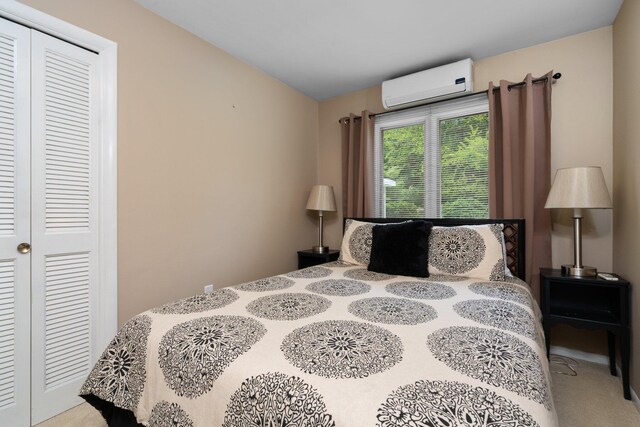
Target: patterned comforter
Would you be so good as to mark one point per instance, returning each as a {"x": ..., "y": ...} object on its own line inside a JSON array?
[{"x": 335, "y": 345}]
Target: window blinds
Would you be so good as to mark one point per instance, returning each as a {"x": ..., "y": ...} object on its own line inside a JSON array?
[{"x": 432, "y": 161}]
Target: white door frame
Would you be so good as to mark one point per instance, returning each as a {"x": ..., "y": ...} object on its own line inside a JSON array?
[{"x": 107, "y": 213}]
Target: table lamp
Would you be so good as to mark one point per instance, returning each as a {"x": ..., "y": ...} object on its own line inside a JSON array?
[
  {"x": 322, "y": 200},
  {"x": 578, "y": 188}
]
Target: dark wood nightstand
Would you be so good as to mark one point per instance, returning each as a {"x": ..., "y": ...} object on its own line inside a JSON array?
[
  {"x": 591, "y": 303},
  {"x": 307, "y": 258}
]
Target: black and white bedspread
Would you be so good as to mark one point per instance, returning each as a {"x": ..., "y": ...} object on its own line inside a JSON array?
[{"x": 335, "y": 345}]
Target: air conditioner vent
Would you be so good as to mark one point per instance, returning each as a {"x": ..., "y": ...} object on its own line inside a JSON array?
[{"x": 447, "y": 81}]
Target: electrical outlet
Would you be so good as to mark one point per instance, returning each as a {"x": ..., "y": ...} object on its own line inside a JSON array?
[{"x": 208, "y": 289}]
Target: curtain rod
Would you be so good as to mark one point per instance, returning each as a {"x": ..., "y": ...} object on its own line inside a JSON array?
[{"x": 556, "y": 76}]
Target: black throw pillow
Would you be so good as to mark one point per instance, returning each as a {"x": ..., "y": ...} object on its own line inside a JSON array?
[{"x": 401, "y": 249}]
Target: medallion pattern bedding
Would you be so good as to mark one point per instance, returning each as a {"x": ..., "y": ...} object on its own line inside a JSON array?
[{"x": 334, "y": 345}]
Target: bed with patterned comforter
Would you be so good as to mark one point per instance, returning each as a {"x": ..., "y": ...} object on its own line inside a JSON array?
[{"x": 334, "y": 345}]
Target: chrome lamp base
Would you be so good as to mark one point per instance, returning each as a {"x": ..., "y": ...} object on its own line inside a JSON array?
[
  {"x": 582, "y": 271},
  {"x": 577, "y": 269},
  {"x": 320, "y": 248}
]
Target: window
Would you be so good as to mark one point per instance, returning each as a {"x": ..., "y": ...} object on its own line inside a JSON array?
[{"x": 432, "y": 161}]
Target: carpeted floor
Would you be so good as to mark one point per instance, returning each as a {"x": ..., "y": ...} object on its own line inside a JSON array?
[{"x": 593, "y": 398}]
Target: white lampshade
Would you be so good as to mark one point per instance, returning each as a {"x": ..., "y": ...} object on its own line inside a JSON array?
[
  {"x": 578, "y": 188},
  {"x": 322, "y": 198}
]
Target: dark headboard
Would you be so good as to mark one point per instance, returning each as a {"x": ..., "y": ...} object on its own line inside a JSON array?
[{"x": 513, "y": 235}]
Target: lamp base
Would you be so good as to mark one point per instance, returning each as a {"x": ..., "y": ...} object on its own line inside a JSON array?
[
  {"x": 320, "y": 249},
  {"x": 584, "y": 271}
]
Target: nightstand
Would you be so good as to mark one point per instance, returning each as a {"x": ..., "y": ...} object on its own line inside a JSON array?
[
  {"x": 590, "y": 303},
  {"x": 307, "y": 258}
]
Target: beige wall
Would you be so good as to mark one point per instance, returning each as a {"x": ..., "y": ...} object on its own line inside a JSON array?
[
  {"x": 626, "y": 154},
  {"x": 581, "y": 126},
  {"x": 215, "y": 159}
]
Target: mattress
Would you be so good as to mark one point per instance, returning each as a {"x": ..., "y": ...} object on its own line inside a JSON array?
[{"x": 334, "y": 345}]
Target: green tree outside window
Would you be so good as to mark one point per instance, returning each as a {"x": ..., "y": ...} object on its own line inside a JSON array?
[{"x": 464, "y": 149}]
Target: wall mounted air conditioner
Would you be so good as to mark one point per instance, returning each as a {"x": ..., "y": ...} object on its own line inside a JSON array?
[{"x": 446, "y": 81}]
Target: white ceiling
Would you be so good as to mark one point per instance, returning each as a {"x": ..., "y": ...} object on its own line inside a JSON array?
[{"x": 325, "y": 48}]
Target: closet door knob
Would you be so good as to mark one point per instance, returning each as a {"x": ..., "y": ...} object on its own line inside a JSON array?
[{"x": 24, "y": 248}]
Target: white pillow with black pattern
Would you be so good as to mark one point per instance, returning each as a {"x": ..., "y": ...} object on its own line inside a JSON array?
[
  {"x": 356, "y": 242},
  {"x": 470, "y": 250}
]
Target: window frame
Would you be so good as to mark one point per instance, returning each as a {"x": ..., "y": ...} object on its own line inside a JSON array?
[{"x": 430, "y": 116}]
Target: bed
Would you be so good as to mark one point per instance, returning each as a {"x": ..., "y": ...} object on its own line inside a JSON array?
[{"x": 340, "y": 345}]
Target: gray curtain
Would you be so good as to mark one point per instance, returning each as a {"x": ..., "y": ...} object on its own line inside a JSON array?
[
  {"x": 520, "y": 167},
  {"x": 357, "y": 165}
]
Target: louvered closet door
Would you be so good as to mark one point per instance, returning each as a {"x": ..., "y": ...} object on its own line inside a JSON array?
[
  {"x": 64, "y": 261},
  {"x": 14, "y": 224}
]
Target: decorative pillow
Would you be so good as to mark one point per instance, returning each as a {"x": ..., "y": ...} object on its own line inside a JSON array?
[
  {"x": 401, "y": 248},
  {"x": 356, "y": 242},
  {"x": 470, "y": 250}
]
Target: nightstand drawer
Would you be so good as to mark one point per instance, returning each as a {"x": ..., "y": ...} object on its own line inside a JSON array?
[{"x": 590, "y": 302}]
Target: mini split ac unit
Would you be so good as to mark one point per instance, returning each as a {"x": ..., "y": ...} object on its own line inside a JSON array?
[{"x": 446, "y": 81}]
